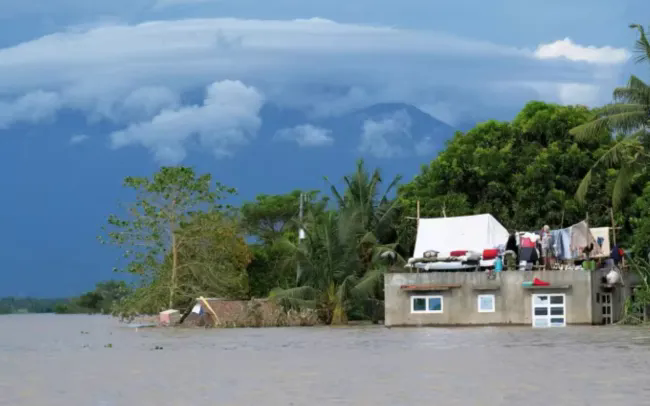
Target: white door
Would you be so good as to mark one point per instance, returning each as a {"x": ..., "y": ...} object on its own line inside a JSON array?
[{"x": 549, "y": 310}]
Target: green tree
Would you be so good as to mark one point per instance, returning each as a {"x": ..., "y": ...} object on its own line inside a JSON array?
[
  {"x": 150, "y": 234},
  {"x": 268, "y": 219},
  {"x": 212, "y": 256},
  {"x": 102, "y": 299},
  {"x": 628, "y": 116},
  {"x": 523, "y": 172},
  {"x": 366, "y": 214},
  {"x": 342, "y": 260},
  {"x": 641, "y": 223},
  {"x": 329, "y": 279}
]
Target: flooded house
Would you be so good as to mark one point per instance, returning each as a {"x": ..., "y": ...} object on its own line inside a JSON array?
[{"x": 457, "y": 277}]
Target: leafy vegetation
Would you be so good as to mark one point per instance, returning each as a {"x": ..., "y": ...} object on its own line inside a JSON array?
[
  {"x": 14, "y": 305},
  {"x": 102, "y": 299},
  {"x": 178, "y": 239}
]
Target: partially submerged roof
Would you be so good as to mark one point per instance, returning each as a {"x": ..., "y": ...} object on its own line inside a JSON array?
[{"x": 446, "y": 234}]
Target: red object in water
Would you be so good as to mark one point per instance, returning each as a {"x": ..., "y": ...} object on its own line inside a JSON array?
[
  {"x": 457, "y": 253},
  {"x": 539, "y": 282},
  {"x": 490, "y": 254}
]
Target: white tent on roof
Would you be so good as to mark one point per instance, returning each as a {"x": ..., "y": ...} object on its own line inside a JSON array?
[{"x": 471, "y": 233}]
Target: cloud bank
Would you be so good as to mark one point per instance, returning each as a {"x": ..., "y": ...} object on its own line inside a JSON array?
[{"x": 136, "y": 76}]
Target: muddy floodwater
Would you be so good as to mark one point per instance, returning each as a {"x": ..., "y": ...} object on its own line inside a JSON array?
[{"x": 94, "y": 361}]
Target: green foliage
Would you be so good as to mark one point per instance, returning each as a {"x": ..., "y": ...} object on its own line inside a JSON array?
[
  {"x": 179, "y": 240},
  {"x": 524, "y": 173},
  {"x": 641, "y": 223},
  {"x": 269, "y": 219},
  {"x": 212, "y": 256},
  {"x": 341, "y": 263},
  {"x": 11, "y": 305},
  {"x": 629, "y": 116},
  {"x": 104, "y": 299},
  {"x": 271, "y": 267}
]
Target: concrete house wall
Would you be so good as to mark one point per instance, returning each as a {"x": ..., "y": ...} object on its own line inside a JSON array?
[{"x": 513, "y": 303}]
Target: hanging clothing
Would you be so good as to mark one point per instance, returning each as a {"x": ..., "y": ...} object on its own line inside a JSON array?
[
  {"x": 528, "y": 254},
  {"x": 511, "y": 245},
  {"x": 528, "y": 240},
  {"x": 582, "y": 238},
  {"x": 616, "y": 254},
  {"x": 561, "y": 244}
]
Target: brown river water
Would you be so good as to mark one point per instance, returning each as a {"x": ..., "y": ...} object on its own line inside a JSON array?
[{"x": 46, "y": 360}]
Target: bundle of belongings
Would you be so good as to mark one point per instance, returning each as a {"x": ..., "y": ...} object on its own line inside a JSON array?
[{"x": 458, "y": 243}]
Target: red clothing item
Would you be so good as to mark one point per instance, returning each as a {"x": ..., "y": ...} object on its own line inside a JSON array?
[
  {"x": 539, "y": 282},
  {"x": 526, "y": 243},
  {"x": 458, "y": 253},
  {"x": 490, "y": 254}
]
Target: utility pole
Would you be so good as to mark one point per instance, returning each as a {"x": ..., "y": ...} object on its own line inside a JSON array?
[{"x": 301, "y": 233}]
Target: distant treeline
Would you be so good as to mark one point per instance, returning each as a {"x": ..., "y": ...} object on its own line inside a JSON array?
[
  {"x": 10, "y": 305},
  {"x": 100, "y": 300}
]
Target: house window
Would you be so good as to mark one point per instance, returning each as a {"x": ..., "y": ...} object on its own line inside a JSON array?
[
  {"x": 426, "y": 304},
  {"x": 549, "y": 310},
  {"x": 486, "y": 304}
]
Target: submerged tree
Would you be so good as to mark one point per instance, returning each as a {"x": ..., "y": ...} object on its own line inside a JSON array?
[
  {"x": 367, "y": 215},
  {"x": 628, "y": 116},
  {"x": 329, "y": 278},
  {"x": 267, "y": 220},
  {"x": 152, "y": 232},
  {"x": 345, "y": 253}
]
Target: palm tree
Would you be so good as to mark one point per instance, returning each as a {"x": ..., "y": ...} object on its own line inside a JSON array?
[
  {"x": 346, "y": 253},
  {"x": 630, "y": 116},
  {"x": 328, "y": 279},
  {"x": 368, "y": 218}
]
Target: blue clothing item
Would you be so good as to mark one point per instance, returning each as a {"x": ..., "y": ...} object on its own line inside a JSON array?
[
  {"x": 562, "y": 243},
  {"x": 498, "y": 265}
]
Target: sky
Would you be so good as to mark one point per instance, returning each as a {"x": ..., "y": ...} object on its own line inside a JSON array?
[{"x": 93, "y": 91}]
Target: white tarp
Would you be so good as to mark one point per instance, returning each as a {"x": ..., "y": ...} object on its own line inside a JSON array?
[
  {"x": 601, "y": 235},
  {"x": 446, "y": 234}
]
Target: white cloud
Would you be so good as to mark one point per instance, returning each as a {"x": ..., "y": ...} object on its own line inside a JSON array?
[
  {"x": 566, "y": 48},
  {"x": 306, "y": 135},
  {"x": 136, "y": 73},
  {"x": 227, "y": 118},
  {"x": 78, "y": 139},
  {"x": 184, "y": 53},
  {"x": 32, "y": 107},
  {"x": 147, "y": 101},
  {"x": 384, "y": 138}
]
